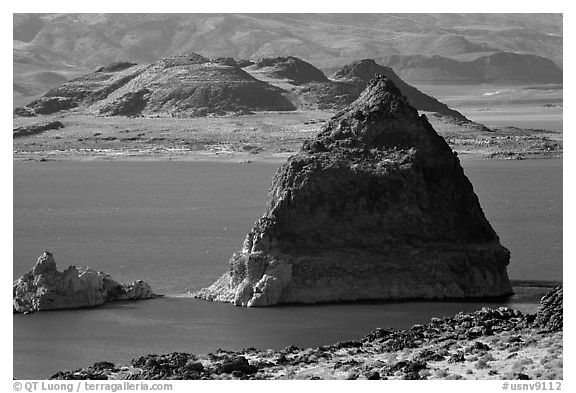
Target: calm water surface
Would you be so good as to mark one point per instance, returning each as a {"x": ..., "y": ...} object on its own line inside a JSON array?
[
  {"x": 175, "y": 225},
  {"x": 518, "y": 117}
]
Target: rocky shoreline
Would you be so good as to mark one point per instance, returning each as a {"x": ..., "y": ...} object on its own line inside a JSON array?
[
  {"x": 257, "y": 137},
  {"x": 497, "y": 343}
]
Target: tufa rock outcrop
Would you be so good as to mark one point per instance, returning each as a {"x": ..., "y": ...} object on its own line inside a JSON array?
[
  {"x": 45, "y": 288},
  {"x": 377, "y": 206}
]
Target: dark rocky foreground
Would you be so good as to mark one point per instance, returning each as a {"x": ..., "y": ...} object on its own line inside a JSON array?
[
  {"x": 487, "y": 344},
  {"x": 45, "y": 288},
  {"x": 376, "y": 206}
]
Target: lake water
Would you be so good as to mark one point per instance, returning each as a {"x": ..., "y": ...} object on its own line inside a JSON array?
[
  {"x": 175, "y": 225},
  {"x": 495, "y": 105},
  {"x": 549, "y": 119}
]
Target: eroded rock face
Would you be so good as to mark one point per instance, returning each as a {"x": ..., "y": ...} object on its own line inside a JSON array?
[
  {"x": 45, "y": 288},
  {"x": 377, "y": 206}
]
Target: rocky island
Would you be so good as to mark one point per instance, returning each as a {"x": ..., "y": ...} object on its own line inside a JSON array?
[
  {"x": 45, "y": 288},
  {"x": 191, "y": 85},
  {"x": 376, "y": 206}
]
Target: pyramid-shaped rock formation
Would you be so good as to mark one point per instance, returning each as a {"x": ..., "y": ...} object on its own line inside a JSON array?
[{"x": 377, "y": 206}]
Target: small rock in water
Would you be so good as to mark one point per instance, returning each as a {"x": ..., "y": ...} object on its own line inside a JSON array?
[{"x": 45, "y": 288}]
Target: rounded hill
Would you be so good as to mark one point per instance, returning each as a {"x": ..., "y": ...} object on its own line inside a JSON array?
[{"x": 184, "y": 85}]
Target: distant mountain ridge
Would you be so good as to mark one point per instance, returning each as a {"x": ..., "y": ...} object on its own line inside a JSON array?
[
  {"x": 491, "y": 68},
  {"x": 95, "y": 39},
  {"x": 72, "y": 44}
]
